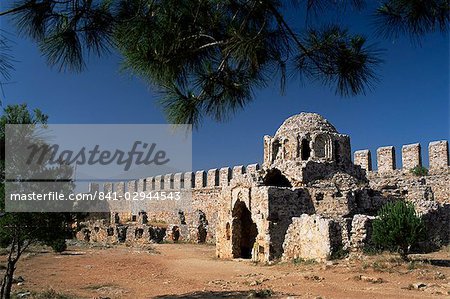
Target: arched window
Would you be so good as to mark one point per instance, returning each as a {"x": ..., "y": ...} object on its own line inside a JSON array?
[
  {"x": 275, "y": 149},
  {"x": 321, "y": 147},
  {"x": 305, "y": 149},
  {"x": 337, "y": 151}
]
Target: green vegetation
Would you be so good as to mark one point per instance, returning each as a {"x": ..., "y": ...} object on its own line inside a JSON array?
[
  {"x": 19, "y": 230},
  {"x": 339, "y": 254},
  {"x": 302, "y": 261},
  {"x": 397, "y": 228},
  {"x": 419, "y": 171},
  {"x": 58, "y": 245},
  {"x": 49, "y": 294}
]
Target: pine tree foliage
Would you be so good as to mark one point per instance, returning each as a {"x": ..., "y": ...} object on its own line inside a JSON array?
[{"x": 208, "y": 57}]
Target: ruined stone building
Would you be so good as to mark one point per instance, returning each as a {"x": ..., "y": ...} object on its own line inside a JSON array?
[{"x": 308, "y": 200}]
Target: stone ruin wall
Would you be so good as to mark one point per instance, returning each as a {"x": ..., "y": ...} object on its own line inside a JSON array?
[
  {"x": 354, "y": 231},
  {"x": 402, "y": 183},
  {"x": 204, "y": 188}
]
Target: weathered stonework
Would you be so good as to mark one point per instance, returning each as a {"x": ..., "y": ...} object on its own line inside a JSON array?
[
  {"x": 361, "y": 231},
  {"x": 438, "y": 152},
  {"x": 411, "y": 156},
  {"x": 308, "y": 200},
  {"x": 363, "y": 158},
  {"x": 311, "y": 237},
  {"x": 386, "y": 159}
]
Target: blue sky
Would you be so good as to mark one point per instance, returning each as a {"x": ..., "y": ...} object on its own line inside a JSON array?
[{"x": 410, "y": 104}]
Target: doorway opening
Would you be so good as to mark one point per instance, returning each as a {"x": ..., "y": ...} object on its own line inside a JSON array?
[{"x": 244, "y": 231}]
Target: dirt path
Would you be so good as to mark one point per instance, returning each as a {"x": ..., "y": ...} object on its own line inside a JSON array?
[{"x": 192, "y": 271}]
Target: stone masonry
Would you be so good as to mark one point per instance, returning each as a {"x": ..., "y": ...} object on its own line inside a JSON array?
[{"x": 307, "y": 201}]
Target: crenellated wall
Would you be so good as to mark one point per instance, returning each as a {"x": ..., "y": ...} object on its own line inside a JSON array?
[
  {"x": 204, "y": 187},
  {"x": 403, "y": 182},
  {"x": 179, "y": 181}
]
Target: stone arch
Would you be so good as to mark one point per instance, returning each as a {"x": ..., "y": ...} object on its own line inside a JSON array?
[
  {"x": 286, "y": 149},
  {"x": 175, "y": 233},
  {"x": 274, "y": 177},
  {"x": 244, "y": 231},
  {"x": 138, "y": 233},
  {"x": 322, "y": 146},
  {"x": 202, "y": 227},
  {"x": 116, "y": 218},
  {"x": 276, "y": 145},
  {"x": 337, "y": 151},
  {"x": 305, "y": 149}
]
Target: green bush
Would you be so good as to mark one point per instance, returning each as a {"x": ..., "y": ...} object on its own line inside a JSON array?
[
  {"x": 397, "y": 228},
  {"x": 58, "y": 245},
  {"x": 419, "y": 171}
]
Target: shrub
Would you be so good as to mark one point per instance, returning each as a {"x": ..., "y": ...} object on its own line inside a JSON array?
[
  {"x": 419, "y": 171},
  {"x": 339, "y": 254},
  {"x": 50, "y": 294},
  {"x": 58, "y": 245},
  {"x": 398, "y": 227}
]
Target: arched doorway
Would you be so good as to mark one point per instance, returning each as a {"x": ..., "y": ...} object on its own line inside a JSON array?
[{"x": 244, "y": 231}]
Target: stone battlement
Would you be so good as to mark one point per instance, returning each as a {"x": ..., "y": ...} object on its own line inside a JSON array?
[
  {"x": 309, "y": 201},
  {"x": 410, "y": 156},
  {"x": 213, "y": 178}
]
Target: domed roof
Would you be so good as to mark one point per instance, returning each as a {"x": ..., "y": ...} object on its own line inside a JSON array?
[{"x": 305, "y": 123}]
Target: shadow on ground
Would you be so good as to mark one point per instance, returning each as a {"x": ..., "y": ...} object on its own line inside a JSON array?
[
  {"x": 437, "y": 262},
  {"x": 220, "y": 294}
]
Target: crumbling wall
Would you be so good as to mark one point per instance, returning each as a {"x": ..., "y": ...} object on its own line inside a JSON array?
[
  {"x": 436, "y": 218},
  {"x": 199, "y": 214},
  {"x": 110, "y": 234},
  {"x": 403, "y": 183},
  {"x": 361, "y": 232},
  {"x": 284, "y": 204},
  {"x": 311, "y": 237}
]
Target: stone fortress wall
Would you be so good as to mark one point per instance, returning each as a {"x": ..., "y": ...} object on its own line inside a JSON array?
[
  {"x": 402, "y": 182},
  {"x": 308, "y": 199},
  {"x": 206, "y": 187}
]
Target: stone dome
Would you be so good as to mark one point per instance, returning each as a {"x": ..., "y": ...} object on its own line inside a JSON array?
[{"x": 305, "y": 123}]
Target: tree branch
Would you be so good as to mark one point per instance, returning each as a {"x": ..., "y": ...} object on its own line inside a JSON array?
[
  {"x": 15, "y": 9},
  {"x": 282, "y": 22}
]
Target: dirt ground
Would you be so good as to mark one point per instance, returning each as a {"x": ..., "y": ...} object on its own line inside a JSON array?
[{"x": 192, "y": 271}]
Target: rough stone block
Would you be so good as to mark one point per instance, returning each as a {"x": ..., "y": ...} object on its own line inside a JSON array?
[
  {"x": 168, "y": 181},
  {"x": 363, "y": 158},
  {"x": 150, "y": 183},
  {"x": 200, "y": 179},
  {"x": 411, "y": 156},
  {"x": 438, "y": 152},
  {"x": 119, "y": 188},
  {"x": 177, "y": 178},
  {"x": 238, "y": 171},
  {"x": 361, "y": 231},
  {"x": 267, "y": 151},
  {"x": 386, "y": 159},
  {"x": 213, "y": 178},
  {"x": 131, "y": 186},
  {"x": 252, "y": 169},
  {"x": 141, "y": 185},
  {"x": 188, "y": 180},
  {"x": 310, "y": 237},
  {"x": 225, "y": 176},
  {"x": 159, "y": 182}
]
